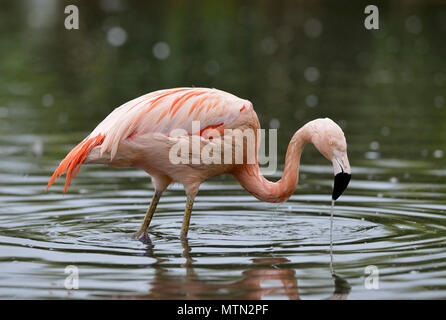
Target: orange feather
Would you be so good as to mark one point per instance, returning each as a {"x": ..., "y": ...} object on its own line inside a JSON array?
[{"x": 73, "y": 161}]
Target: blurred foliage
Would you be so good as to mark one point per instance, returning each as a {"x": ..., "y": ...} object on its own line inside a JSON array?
[{"x": 295, "y": 60}]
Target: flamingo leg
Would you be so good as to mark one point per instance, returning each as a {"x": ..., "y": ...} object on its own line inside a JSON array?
[
  {"x": 187, "y": 214},
  {"x": 149, "y": 214}
]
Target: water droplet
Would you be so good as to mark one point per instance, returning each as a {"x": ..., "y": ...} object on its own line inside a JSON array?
[
  {"x": 161, "y": 50},
  {"x": 313, "y": 28},
  {"x": 372, "y": 155},
  {"x": 47, "y": 100},
  {"x": 274, "y": 123},
  {"x": 311, "y": 100},
  {"x": 37, "y": 147},
  {"x": 311, "y": 74},
  {"x": 438, "y": 153},
  {"x": 393, "y": 180},
  {"x": 116, "y": 36},
  {"x": 374, "y": 145},
  {"x": 53, "y": 234}
]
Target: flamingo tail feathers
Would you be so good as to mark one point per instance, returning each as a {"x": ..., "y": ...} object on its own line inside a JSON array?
[{"x": 74, "y": 159}]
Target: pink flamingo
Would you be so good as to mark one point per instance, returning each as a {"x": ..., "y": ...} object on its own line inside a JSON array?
[{"x": 138, "y": 134}]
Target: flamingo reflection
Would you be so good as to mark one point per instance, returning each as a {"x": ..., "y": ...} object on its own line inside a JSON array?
[{"x": 268, "y": 278}]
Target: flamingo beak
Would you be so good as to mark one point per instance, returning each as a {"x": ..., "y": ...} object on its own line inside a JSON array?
[{"x": 341, "y": 179}]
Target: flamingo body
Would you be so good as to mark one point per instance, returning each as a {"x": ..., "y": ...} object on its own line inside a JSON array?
[{"x": 139, "y": 134}]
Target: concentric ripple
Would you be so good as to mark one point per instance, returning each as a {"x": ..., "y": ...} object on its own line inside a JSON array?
[{"x": 238, "y": 247}]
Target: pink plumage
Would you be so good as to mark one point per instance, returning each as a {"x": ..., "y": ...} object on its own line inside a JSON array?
[{"x": 139, "y": 134}]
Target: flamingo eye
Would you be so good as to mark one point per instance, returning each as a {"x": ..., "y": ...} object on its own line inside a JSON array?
[{"x": 330, "y": 142}]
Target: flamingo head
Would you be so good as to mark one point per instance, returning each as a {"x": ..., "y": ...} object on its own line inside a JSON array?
[{"x": 329, "y": 139}]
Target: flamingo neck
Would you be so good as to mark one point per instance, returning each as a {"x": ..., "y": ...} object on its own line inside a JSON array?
[{"x": 255, "y": 183}]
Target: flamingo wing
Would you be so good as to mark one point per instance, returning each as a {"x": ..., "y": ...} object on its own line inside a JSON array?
[{"x": 161, "y": 111}]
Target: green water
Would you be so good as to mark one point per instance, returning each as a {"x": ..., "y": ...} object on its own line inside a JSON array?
[{"x": 295, "y": 62}]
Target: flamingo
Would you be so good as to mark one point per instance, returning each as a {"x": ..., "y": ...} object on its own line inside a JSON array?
[{"x": 139, "y": 134}]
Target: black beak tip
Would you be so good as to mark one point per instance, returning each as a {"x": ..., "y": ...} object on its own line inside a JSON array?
[{"x": 341, "y": 181}]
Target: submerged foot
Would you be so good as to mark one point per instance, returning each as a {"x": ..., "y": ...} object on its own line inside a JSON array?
[{"x": 142, "y": 236}]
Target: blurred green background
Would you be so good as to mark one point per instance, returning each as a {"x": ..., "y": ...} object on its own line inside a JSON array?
[{"x": 295, "y": 60}]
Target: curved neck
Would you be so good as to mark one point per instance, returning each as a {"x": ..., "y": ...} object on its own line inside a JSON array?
[{"x": 250, "y": 177}]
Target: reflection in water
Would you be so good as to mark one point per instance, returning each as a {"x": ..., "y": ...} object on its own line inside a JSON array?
[
  {"x": 267, "y": 278},
  {"x": 341, "y": 288}
]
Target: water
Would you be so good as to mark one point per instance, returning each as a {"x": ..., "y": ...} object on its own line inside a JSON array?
[
  {"x": 238, "y": 247},
  {"x": 331, "y": 234},
  {"x": 385, "y": 89}
]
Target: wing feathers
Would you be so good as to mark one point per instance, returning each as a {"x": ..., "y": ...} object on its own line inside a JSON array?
[
  {"x": 165, "y": 110},
  {"x": 160, "y": 111}
]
